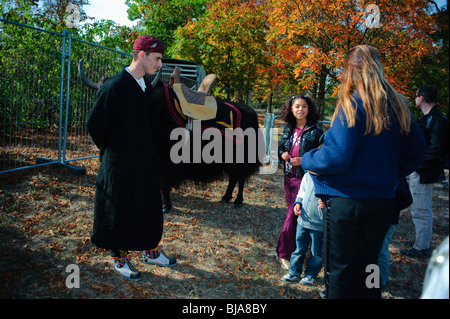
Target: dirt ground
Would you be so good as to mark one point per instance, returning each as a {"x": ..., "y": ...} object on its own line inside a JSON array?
[{"x": 223, "y": 252}]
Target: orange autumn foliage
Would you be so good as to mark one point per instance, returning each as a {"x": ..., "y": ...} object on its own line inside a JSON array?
[
  {"x": 301, "y": 45},
  {"x": 315, "y": 36}
]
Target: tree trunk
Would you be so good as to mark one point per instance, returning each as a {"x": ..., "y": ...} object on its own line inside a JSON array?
[
  {"x": 270, "y": 102},
  {"x": 321, "y": 94}
]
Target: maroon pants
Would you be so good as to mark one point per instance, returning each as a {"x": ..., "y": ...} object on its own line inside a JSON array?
[{"x": 286, "y": 243}]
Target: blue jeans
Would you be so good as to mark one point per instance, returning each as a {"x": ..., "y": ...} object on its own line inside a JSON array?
[
  {"x": 303, "y": 238},
  {"x": 384, "y": 256}
]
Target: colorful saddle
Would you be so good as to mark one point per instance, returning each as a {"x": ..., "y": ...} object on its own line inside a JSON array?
[{"x": 224, "y": 116}]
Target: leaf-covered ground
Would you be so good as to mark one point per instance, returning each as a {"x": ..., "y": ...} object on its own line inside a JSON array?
[{"x": 223, "y": 252}]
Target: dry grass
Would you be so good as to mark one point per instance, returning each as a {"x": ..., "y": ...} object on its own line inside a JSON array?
[{"x": 223, "y": 252}]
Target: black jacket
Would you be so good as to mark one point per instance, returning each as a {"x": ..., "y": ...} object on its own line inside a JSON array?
[
  {"x": 434, "y": 127},
  {"x": 311, "y": 138}
]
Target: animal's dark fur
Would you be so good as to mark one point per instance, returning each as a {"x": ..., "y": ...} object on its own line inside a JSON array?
[{"x": 173, "y": 175}]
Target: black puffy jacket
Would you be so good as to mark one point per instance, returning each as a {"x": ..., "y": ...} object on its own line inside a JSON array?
[{"x": 311, "y": 138}]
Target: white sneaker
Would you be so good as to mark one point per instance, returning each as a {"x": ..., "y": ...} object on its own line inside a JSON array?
[
  {"x": 126, "y": 268},
  {"x": 158, "y": 257},
  {"x": 323, "y": 294},
  {"x": 290, "y": 278},
  {"x": 307, "y": 281}
]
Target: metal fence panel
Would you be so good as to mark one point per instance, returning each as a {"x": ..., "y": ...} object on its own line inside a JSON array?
[
  {"x": 98, "y": 62},
  {"x": 43, "y": 104},
  {"x": 30, "y": 69}
]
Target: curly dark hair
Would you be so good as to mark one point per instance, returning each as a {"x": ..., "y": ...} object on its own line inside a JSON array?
[{"x": 286, "y": 112}]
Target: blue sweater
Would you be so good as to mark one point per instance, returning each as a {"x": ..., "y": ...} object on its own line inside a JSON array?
[{"x": 353, "y": 165}]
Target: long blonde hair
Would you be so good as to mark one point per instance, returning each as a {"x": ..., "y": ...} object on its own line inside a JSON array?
[{"x": 363, "y": 73}]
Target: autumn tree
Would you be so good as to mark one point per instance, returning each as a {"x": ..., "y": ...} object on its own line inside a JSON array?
[
  {"x": 434, "y": 68},
  {"x": 315, "y": 37},
  {"x": 228, "y": 40},
  {"x": 110, "y": 34},
  {"x": 162, "y": 18}
]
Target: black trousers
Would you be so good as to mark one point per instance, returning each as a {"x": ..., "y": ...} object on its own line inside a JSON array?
[{"x": 354, "y": 230}]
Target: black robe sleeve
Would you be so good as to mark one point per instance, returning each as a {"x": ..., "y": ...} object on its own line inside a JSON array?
[{"x": 99, "y": 120}]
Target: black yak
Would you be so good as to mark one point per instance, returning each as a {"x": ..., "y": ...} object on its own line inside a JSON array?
[{"x": 234, "y": 129}]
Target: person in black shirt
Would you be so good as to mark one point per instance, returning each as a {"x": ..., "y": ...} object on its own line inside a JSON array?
[{"x": 434, "y": 126}]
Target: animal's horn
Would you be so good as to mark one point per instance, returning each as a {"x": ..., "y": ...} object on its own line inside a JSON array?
[
  {"x": 176, "y": 75},
  {"x": 84, "y": 79},
  {"x": 156, "y": 79}
]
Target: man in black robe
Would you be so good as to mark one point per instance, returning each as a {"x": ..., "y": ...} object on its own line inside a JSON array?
[{"x": 127, "y": 211}]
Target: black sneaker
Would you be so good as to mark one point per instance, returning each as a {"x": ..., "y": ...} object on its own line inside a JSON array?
[
  {"x": 412, "y": 252},
  {"x": 409, "y": 243}
]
